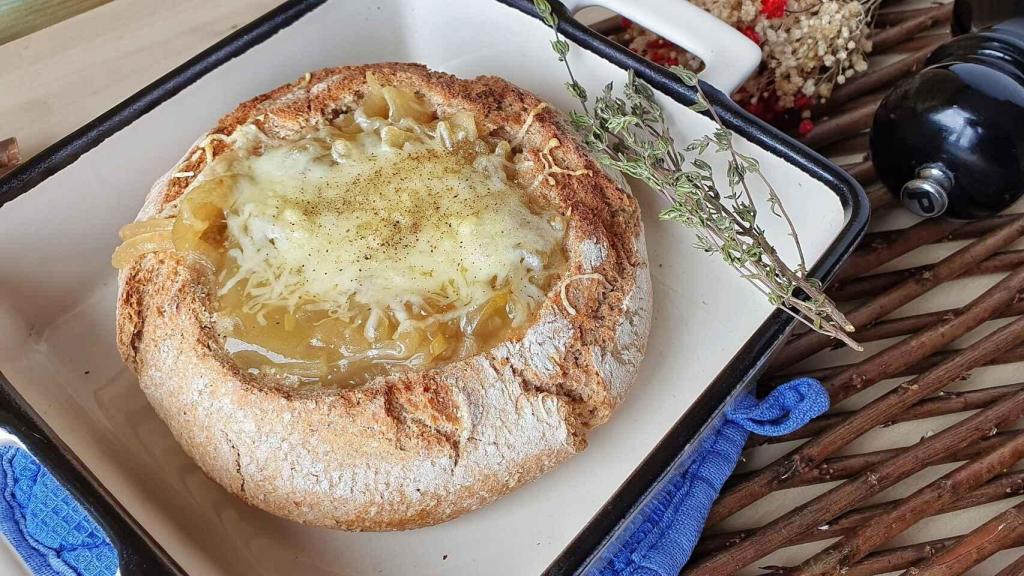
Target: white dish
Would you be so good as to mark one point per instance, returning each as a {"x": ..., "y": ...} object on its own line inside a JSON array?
[{"x": 57, "y": 304}]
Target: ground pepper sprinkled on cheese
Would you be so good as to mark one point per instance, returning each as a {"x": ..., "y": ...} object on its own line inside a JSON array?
[{"x": 387, "y": 239}]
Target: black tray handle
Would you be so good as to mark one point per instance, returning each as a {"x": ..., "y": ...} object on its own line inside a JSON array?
[{"x": 138, "y": 553}]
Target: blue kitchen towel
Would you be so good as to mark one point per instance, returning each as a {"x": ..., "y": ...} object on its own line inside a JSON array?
[
  {"x": 659, "y": 536},
  {"x": 48, "y": 528}
]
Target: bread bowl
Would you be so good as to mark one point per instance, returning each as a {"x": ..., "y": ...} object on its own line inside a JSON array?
[{"x": 418, "y": 437}]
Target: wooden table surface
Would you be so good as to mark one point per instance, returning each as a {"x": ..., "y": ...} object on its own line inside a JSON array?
[
  {"x": 57, "y": 79},
  {"x": 22, "y": 17}
]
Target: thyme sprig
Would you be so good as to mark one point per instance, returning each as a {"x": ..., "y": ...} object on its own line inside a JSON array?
[{"x": 629, "y": 133}]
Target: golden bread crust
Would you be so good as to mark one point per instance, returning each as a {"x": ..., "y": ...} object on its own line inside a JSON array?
[{"x": 417, "y": 448}]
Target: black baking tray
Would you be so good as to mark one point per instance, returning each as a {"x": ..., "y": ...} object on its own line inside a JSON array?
[{"x": 141, "y": 554}]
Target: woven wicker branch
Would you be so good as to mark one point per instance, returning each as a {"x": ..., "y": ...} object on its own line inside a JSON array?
[
  {"x": 927, "y": 41},
  {"x": 881, "y": 247},
  {"x": 898, "y": 558},
  {"x": 948, "y": 268},
  {"x": 891, "y": 16},
  {"x": 1012, "y": 355},
  {"x": 999, "y": 488},
  {"x": 873, "y": 285},
  {"x": 874, "y": 80},
  {"x": 906, "y": 325},
  {"x": 843, "y": 124},
  {"x": 870, "y": 482},
  {"x": 845, "y": 467},
  {"x": 879, "y": 411},
  {"x": 10, "y": 155},
  {"x": 863, "y": 172},
  {"x": 907, "y": 512},
  {"x": 852, "y": 145},
  {"x": 898, "y": 34},
  {"x": 909, "y": 353},
  {"x": 1004, "y": 531},
  {"x": 879, "y": 198}
]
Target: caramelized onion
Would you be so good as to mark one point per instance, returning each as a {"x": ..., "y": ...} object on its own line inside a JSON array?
[
  {"x": 200, "y": 216},
  {"x": 136, "y": 228},
  {"x": 140, "y": 245},
  {"x": 348, "y": 346}
]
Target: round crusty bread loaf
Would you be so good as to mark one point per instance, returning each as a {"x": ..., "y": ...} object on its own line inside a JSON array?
[{"x": 410, "y": 449}]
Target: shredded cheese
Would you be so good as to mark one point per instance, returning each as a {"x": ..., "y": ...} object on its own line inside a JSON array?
[
  {"x": 402, "y": 218},
  {"x": 207, "y": 145},
  {"x": 385, "y": 237},
  {"x": 518, "y": 139},
  {"x": 551, "y": 167}
]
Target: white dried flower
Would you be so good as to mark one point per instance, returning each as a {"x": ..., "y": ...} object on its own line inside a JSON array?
[{"x": 813, "y": 46}]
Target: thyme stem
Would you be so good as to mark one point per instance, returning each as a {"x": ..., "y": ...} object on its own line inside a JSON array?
[{"x": 631, "y": 134}]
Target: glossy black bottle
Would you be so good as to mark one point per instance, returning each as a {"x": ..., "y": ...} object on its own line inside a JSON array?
[{"x": 950, "y": 140}]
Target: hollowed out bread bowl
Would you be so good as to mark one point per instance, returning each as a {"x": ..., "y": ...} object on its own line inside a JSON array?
[{"x": 408, "y": 447}]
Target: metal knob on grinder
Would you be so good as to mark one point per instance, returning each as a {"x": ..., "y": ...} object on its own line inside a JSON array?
[{"x": 950, "y": 140}]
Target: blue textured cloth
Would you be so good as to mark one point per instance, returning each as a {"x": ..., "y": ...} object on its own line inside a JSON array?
[
  {"x": 660, "y": 534},
  {"x": 47, "y": 527}
]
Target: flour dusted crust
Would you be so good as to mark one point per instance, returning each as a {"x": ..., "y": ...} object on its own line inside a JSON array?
[{"x": 418, "y": 448}]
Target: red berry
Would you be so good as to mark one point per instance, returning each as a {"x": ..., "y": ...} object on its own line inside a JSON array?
[
  {"x": 749, "y": 32},
  {"x": 805, "y": 127},
  {"x": 672, "y": 61},
  {"x": 656, "y": 43},
  {"x": 802, "y": 102},
  {"x": 773, "y": 8},
  {"x": 626, "y": 22}
]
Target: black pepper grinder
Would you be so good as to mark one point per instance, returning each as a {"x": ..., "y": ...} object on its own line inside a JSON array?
[{"x": 950, "y": 140}]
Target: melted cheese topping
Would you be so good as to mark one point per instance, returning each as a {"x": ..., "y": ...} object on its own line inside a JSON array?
[
  {"x": 389, "y": 229},
  {"x": 386, "y": 240}
]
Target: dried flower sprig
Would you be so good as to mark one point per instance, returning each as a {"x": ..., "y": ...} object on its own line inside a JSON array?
[
  {"x": 809, "y": 48},
  {"x": 629, "y": 133}
]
